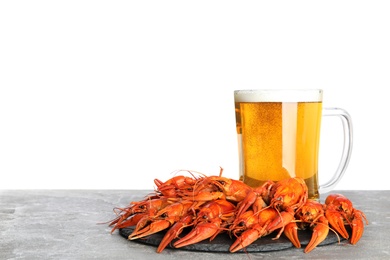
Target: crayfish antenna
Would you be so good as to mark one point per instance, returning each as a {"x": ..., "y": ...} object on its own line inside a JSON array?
[{"x": 337, "y": 235}]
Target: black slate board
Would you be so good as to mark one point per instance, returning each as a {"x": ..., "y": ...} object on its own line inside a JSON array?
[{"x": 222, "y": 242}]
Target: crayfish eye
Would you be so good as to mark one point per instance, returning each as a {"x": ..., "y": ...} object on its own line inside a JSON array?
[
  {"x": 164, "y": 215},
  {"x": 222, "y": 182},
  {"x": 142, "y": 206},
  {"x": 241, "y": 224}
]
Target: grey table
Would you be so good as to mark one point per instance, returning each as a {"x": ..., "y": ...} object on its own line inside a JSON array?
[{"x": 63, "y": 224}]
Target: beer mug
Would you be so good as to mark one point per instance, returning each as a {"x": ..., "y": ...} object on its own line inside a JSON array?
[{"x": 279, "y": 135}]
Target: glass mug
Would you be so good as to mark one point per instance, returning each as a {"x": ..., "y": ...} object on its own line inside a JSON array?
[{"x": 279, "y": 135}]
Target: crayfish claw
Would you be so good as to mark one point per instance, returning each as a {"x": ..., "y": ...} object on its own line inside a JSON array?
[
  {"x": 247, "y": 237},
  {"x": 200, "y": 232},
  {"x": 336, "y": 221},
  {"x": 150, "y": 229},
  {"x": 320, "y": 232},
  {"x": 281, "y": 221},
  {"x": 357, "y": 226},
  {"x": 291, "y": 232},
  {"x": 174, "y": 232}
]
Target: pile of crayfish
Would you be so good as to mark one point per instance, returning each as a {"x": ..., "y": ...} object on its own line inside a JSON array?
[{"x": 210, "y": 205}]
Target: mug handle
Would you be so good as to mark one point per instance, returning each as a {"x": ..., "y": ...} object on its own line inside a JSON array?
[{"x": 347, "y": 147}]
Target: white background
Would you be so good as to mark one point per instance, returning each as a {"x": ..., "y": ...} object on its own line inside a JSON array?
[{"x": 112, "y": 94}]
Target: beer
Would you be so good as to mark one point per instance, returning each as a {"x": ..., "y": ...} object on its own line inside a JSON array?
[{"x": 279, "y": 135}]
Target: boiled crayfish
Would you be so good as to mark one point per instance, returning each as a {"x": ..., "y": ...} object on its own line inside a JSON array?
[{"x": 211, "y": 205}]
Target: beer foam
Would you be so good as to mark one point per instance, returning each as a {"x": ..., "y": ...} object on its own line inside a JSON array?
[{"x": 278, "y": 95}]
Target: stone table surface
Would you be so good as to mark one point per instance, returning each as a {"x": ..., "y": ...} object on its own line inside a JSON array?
[{"x": 66, "y": 224}]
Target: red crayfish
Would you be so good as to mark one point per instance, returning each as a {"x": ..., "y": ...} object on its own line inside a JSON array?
[{"x": 211, "y": 205}]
